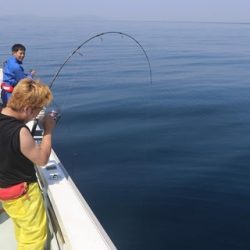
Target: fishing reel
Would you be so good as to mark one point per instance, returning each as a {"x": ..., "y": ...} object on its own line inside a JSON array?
[{"x": 52, "y": 110}]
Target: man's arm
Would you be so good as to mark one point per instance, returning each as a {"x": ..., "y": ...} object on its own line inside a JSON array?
[
  {"x": 18, "y": 72},
  {"x": 37, "y": 153}
]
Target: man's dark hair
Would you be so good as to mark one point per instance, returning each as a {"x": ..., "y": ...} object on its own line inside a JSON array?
[{"x": 17, "y": 47}]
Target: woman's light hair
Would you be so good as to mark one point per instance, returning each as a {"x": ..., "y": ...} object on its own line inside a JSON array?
[{"x": 30, "y": 93}]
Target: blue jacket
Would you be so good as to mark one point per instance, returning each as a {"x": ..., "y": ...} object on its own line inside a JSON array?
[{"x": 13, "y": 71}]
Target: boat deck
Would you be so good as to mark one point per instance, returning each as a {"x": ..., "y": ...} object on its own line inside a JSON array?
[{"x": 7, "y": 236}]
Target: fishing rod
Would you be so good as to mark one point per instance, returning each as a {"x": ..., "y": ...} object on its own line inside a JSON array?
[
  {"x": 56, "y": 113},
  {"x": 100, "y": 35}
]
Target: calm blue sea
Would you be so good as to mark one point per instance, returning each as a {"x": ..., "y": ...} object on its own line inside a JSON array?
[{"x": 163, "y": 165}]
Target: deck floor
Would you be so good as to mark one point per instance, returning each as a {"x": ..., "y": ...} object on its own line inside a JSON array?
[{"x": 7, "y": 236}]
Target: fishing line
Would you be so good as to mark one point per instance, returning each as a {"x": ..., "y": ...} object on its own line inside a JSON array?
[{"x": 100, "y": 36}]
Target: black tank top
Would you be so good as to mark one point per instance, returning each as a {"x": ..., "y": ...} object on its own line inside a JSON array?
[{"x": 14, "y": 166}]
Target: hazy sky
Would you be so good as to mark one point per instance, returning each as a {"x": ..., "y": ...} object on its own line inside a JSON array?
[{"x": 169, "y": 10}]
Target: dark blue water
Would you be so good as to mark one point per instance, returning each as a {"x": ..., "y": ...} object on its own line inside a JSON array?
[{"x": 163, "y": 166}]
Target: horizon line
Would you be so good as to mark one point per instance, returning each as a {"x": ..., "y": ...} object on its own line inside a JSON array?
[{"x": 94, "y": 18}]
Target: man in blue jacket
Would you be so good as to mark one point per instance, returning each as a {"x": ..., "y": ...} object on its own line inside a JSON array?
[{"x": 13, "y": 72}]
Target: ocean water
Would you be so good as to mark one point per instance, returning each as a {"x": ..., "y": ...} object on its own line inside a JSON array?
[{"x": 163, "y": 165}]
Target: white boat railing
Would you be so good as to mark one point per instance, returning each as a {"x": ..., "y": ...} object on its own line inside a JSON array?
[{"x": 73, "y": 223}]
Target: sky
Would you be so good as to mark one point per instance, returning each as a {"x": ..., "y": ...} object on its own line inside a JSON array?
[{"x": 139, "y": 10}]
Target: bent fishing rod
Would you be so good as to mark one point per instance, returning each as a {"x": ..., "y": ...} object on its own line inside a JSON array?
[
  {"x": 84, "y": 43},
  {"x": 100, "y": 35}
]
